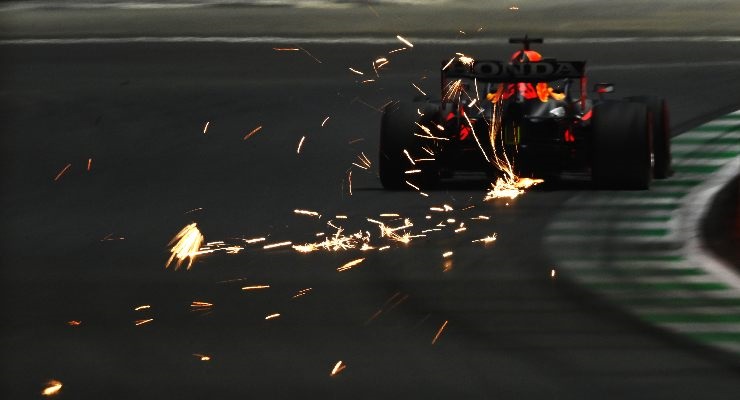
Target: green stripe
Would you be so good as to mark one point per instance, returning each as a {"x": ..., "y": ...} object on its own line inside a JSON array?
[
  {"x": 608, "y": 231},
  {"x": 692, "y": 318},
  {"x": 640, "y": 271},
  {"x": 711, "y": 140},
  {"x": 693, "y": 286},
  {"x": 697, "y": 169},
  {"x": 677, "y": 302},
  {"x": 715, "y": 336},
  {"x": 705, "y": 154},
  {"x": 716, "y": 128},
  {"x": 729, "y": 116}
]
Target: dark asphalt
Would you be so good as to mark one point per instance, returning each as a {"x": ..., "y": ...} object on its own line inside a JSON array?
[{"x": 139, "y": 110}]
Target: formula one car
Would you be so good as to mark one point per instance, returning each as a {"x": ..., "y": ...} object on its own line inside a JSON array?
[{"x": 530, "y": 115}]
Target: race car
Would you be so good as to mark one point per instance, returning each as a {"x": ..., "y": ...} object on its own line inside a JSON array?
[{"x": 529, "y": 115}]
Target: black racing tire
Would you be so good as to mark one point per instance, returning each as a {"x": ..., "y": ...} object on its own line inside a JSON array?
[
  {"x": 658, "y": 109},
  {"x": 397, "y": 129},
  {"x": 621, "y": 146}
]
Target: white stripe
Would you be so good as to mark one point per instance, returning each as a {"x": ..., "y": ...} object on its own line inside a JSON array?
[
  {"x": 680, "y": 161},
  {"x": 708, "y": 148},
  {"x": 385, "y": 41}
]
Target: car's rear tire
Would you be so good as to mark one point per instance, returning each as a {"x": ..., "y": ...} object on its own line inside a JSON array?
[
  {"x": 661, "y": 134},
  {"x": 621, "y": 154},
  {"x": 397, "y": 129}
]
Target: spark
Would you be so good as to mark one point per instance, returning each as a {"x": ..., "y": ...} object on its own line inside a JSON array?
[
  {"x": 307, "y": 212},
  {"x": 341, "y": 217},
  {"x": 453, "y": 90},
  {"x": 390, "y": 233},
  {"x": 368, "y": 81},
  {"x": 460, "y": 229},
  {"x": 286, "y": 49},
  {"x": 412, "y": 171},
  {"x": 409, "y": 156},
  {"x": 203, "y": 357},
  {"x": 448, "y": 63},
  {"x": 89, "y": 164},
  {"x": 439, "y": 332},
  {"x": 447, "y": 254},
  {"x": 338, "y": 367},
  {"x": 252, "y": 132},
  {"x": 324, "y": 121},
  {"x": 74, "y": 323},
  {"x": 384, "y": 248},
  {"x": 143, "y": 321},
  {"x": 423, "y": 194},
  {"x": 487, "y": 239},
  {"x": 483, "y": 217},
  {"x": 300, "y": 144},
  {"x": 272, "y": 316},
  {"x": 188, "y": 243},
  {"x": 359, "y": 166},
  {"x": 336, "y": 242},
  {"x": 470, "y": 124},
  {"x": 310, "y": 55},
  {"x": 552, "y": 273},
  {"x": 205, "y": 128},
  {"x": 397, "y": 50},
  {"x": 274, "y": 245},
  {"x": 349, "y": 181},
  {"x": 200, "y": 305},
  {"x": 436, "y": 209},
  {"x": 302, "y": 292},
  {"x": 465, "y": 59},
  {"x": 256, "y": 287},
  {"x": 508, "y": 187},
  {"x": 472, "y": 103},
  {"x": 389, "y": 215},
  {"x": 52, "y": 388},
  {"x": 356, "y": 71},
  {"x": 350, "y": 264},
  {"x": 419, "y": 89},
  {"x": 406, "y": 42},
  {"x": 364, "y": 160},
  {"x": 450, "y": 220},
  {"x": 412, "y": 185},
  {"x": 447, "y": 266},
  {"x": 429, "y": 137},
  {"x": 448, "y": 207},
  {"x": 514, "y": 8},
  {"x": 194, "y": 210},
  {"x": 143, "y": 307},
  {"x": 59, "y": 175},
  {"x": 255, "y": 240}
]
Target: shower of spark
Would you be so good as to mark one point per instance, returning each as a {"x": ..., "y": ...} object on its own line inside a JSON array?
[
  {"x": 188, "y": 244},
  {"x": 337, "y": 242}
]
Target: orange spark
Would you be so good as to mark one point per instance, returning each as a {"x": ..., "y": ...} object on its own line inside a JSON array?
[
  {"x": 144, "y": 307},
  {"x": 350, "y": 264},
  {"x": 274, "y": 245},
  {"x": 255, "y": 240},
  {"x": 255, "y": 287},
  {"x": 286, "y": 49},
  {"x": 272, "y": 316},
  {"x": 302, "y": 292},
  {"x": 52, "y": 387},
  {"x": 552, "y": 273},
  {"x": 203, "y": 357},
  {"x": 487, "y": 239},
  {"x": 59, "y": 175},
  {"x": 447, "y": 254},
  {"x": 143, "y": 321},
  {"x": 439, "y": 332},
  {"x": 255, "y": 130},
  {"x": 74, "y": 323},
  {"x": 338, "y": 367},
  {"x": 188, "y": 243},
  {"x": 89, "y": 163},
  {"x": 199, "y": 305},
  {"x": 307, "y": 212}
]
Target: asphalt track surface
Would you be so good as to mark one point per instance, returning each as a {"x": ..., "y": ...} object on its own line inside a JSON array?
[{"x": 138, "y": 110}]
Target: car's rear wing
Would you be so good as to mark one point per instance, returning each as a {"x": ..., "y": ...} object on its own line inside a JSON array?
[{"x": 499, "y": 71}]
